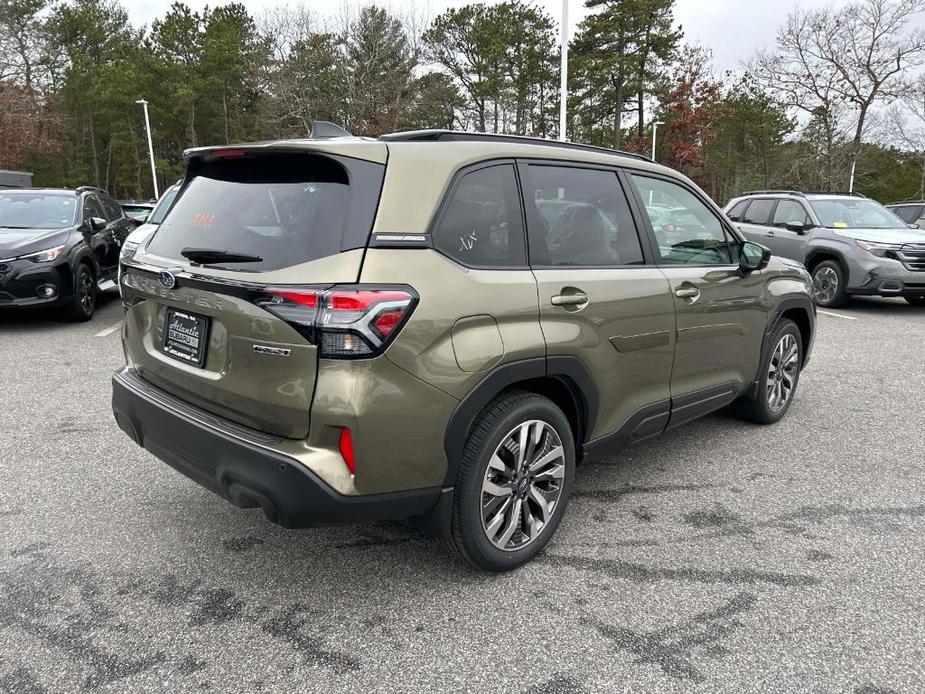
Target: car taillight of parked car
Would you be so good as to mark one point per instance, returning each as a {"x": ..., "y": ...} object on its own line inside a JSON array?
[{"x": 344, "y": 322}]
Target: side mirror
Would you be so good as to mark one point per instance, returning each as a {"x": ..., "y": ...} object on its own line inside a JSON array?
[
  {"x": 798, "y": 227},
  {"x": 97, "y": 223},
  {"x": 753, "y": 256}
]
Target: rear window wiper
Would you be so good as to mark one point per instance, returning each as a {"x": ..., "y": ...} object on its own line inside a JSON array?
[{"x": 208, "y": 256}]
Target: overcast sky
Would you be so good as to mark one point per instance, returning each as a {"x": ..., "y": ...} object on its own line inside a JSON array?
[{"x": 732, "y": 29}]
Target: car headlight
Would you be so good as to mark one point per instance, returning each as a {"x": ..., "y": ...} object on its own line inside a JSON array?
[
  {"x": 128, "y": 250},
  {"x": 882, "y": 250},
  {"x": 45, "y": 256}
]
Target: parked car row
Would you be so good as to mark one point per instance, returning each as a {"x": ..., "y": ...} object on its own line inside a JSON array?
[
  {"x": 58, "y": 248},
  {"x": 442, "y": 325}
]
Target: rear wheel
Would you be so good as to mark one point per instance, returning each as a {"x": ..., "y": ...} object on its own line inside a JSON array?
[
  {"x": 918, "y": 301},
  {"x": 780, "y": 374},
  {"x": 829, "y": 284},
  {"x": 83, "y": 303},
  {"x": 514, "y": 482}
]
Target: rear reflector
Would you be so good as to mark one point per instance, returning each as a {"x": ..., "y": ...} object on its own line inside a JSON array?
[{"x": 345, "y": 446}]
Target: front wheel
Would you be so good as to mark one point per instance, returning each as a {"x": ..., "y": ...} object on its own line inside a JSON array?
[
  {"x": 918, "y": 301},
  {"x": 829, "y": 284},
  {"x": 83, "y": 303},
  {"x": 780, "y": 374},
  {"x": 514, "y": 482}
]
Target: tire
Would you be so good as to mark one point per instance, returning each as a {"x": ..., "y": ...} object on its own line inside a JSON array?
[
  {"x": 501, "y": 422},
  {"x": 917, "y": 301},
  {"x": 764, "y": 408},
  {"x": 83, "y": 304},
  {"x": 825, "y": 275}
]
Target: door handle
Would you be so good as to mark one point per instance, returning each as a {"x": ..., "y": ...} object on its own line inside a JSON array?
[
  {"x": 770, "y": 233},
  {"x": 687, "y": 293},
  {"x": 578, "y": 299}
]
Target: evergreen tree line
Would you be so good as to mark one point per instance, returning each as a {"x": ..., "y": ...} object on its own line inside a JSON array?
[{"x": 834, "y": 103}]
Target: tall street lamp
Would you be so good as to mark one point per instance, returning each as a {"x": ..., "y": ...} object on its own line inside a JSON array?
[
  {"x": 654, "y": 129},
  {"x": 563, "y": 79},
  {"x": 144, "y": 105}
]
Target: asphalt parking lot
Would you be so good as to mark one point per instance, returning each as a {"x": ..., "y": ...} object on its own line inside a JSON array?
[{"x": 719, "y": 557}]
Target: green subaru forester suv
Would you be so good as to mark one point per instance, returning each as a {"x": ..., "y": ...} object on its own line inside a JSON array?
[{"x": 442, "y": 326}]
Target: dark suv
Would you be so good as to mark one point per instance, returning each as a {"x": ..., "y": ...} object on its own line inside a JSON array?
[
  {"x": 441, "y": 325},
  {"x": 57, "y": 247}
]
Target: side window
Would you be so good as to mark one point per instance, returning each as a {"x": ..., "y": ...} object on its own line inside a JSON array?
[
  {"x": 790, "y": 212},
  {"x": 583, "y": 218},
  {"x": 735, "y": 213},
  {"x": 759, "y": 212},
  {"x": 92, "y": 208},
  {"x": 481, "y": 224},
  {"x": 686, "y": 230},
  {"x": 112, "y": 209}
]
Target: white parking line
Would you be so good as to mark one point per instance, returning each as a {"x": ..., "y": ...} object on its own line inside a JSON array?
[
  {"x": 835, "y": 315},
  {"x": 109, "y": 331}
]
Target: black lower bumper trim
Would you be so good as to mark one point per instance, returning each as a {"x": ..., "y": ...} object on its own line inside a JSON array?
[
  {"x": 902, "y": 290},
  {"x": 249, "y": 475}
]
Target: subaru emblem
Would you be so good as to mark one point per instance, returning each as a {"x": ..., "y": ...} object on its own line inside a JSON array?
[{"x": 167, "y": 279}]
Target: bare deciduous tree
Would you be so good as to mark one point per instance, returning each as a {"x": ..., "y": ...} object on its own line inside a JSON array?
[{"x": 836, "y": 63}]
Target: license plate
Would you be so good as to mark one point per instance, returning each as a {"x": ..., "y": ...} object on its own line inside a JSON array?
[{"x": 185, "y": 336}]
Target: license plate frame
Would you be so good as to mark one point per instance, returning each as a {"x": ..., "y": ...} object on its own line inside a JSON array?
[{"x": 186, "y": 336}]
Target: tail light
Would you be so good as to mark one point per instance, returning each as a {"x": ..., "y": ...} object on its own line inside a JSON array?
[{"x": 344, "y": 322}]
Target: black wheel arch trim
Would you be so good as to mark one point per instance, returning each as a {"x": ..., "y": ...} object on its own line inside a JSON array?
[
  {"x": 826, "y": 251},
  {"x": 803, "y": 303},
  {"x": 569, "y": 371}
]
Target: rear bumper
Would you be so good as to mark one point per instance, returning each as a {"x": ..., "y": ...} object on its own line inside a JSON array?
[{"x": 219, "y": 457}]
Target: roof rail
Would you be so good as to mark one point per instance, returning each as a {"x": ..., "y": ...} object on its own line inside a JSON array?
[
  {"x": 89, "y": 189},
  {"x": 772, "y": 191},
  {"x": 907, "y": 201},
  {"x": 461, "y": 136},
  {"x": 853, "y": 194}
]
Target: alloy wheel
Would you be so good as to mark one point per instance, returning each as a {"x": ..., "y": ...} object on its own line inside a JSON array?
[
  {"x": 825, "y": 285},
  {"x": 782, "y": 372},
  {"x": 522, "y": 485},
  {"x": 85, "y": 291}
]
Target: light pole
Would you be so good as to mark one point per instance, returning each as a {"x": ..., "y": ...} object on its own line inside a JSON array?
[
  {"x": 655, "y": 125},
  {"x": 144, "y": 105},
  {"x": 563, "y": 79}
]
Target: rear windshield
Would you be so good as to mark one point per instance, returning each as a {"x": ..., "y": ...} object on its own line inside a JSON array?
[
  {"x": 27, "y": 210},
  {"x": 283, "y": 209}
]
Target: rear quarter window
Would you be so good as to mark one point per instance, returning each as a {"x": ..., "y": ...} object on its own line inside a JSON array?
[
  {"x": 283, "y": 208},
  {"x": 759, "y": 212},
  {"x": 481, "y": 222},
  {"x": 735, "y": 213}
]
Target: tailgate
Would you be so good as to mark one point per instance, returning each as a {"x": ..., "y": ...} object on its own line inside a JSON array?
[
  {"x": 256, "y": 369},
  {"x": 201, "y": 319}
]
